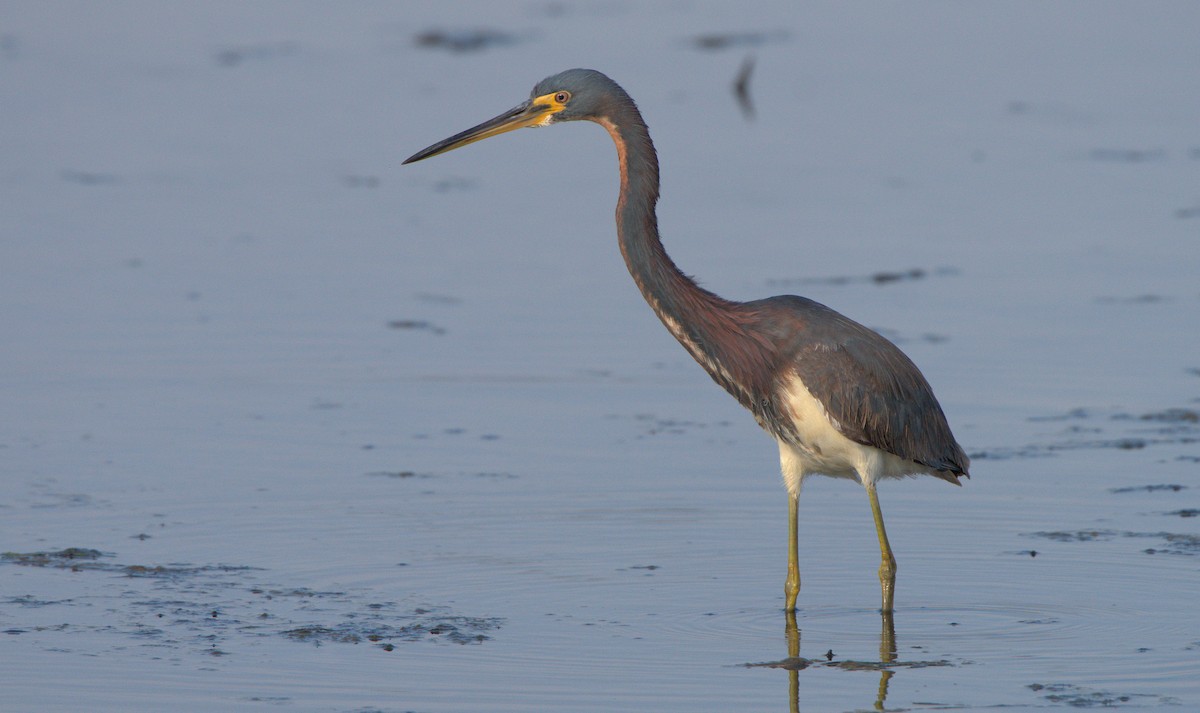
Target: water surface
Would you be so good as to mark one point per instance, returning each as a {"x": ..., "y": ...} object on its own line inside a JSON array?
[{"x": 288, "y": 426}]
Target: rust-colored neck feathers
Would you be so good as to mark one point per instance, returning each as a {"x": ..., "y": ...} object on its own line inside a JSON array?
[{"x": 718, "y": 333}]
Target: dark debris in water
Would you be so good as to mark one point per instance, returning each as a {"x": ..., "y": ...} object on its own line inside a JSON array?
[
  {"x": 465, "y": 40},
  {"x": 212, "y": 608},
  {"x": 672, "y": 426},
  {"x": 181, "y": 570},
  {"x": 884, "y": 665},
  {"x": 496, "y": 475},
  {"x": 28, "y": 601},
  {"x": 1080, "y": 697},
  {"x": 398, "y": 474},
  {"x": 1173, "y": 415},
  {"x": 1050, "y": 449},
  {"x": 1076, "y": 535},
  {"x": 235, "y": 55},
  {"x": 68, "y": 557},
  {"x": 302, "y": 592},
  {"x": 799, "y": 663},
  {"x": 422, "y": 624},
  {"x": 81, "y": 558},
  {"x": 885, "y": 277},
  {"x": 1085, "y": 429},
  {"x": 1071, "y": 415},
  {"x": 1186, "y": 512},
  {"x": 729, "y": 40},
  {"x": 416, "y": 325},
  {"x": 1160, "y": 487},
  {"x": 1174, "y": 543},
  {"x": 1004, "y": 453},
  {"x": 653, "y": 425}
]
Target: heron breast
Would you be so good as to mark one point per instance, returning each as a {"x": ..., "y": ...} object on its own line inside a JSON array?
[
  {"x": 817, "y": 445},
  {"x": 814, "y": 436}
]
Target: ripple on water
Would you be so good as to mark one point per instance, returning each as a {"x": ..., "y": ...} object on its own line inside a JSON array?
[{"x": 1004, "y": 625}]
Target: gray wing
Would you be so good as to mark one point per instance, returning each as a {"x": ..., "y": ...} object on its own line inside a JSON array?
[{"x": 876, "y": 393}]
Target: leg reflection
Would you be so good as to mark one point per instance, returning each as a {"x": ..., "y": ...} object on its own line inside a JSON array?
[
  {"x": 794, "y": 663},
  {"x": 887, "y": 655},
  {"x": 793, "y": 645}
]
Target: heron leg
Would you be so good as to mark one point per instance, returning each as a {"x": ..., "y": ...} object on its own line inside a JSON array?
[
  {"x": 791, "y": 586},
  {"x": 887, "y": 568}
]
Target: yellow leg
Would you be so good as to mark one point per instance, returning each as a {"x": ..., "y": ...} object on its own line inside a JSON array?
[
  {"x": 791, "y": 586},
  {"x": 887, "y": 568}
]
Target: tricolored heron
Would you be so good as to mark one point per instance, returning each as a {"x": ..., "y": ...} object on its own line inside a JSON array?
[{"x": 839, "y": 399}]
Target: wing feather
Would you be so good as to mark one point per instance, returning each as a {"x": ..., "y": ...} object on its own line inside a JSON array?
[{"x": 876, "y": 395}]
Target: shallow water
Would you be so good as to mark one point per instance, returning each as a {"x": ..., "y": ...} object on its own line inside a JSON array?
[{"x": 286, "y": 425}]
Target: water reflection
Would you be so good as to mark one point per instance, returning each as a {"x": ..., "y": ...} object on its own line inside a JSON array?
[
  {"x": 792, "y": 633},
  {"x": 795, "y": 663},
  {"x": 887, "y": 655}
]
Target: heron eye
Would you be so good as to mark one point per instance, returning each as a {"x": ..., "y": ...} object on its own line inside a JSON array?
[{"x": 562, "y": 97}]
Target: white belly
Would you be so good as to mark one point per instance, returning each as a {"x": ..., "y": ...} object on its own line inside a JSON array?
[{"x": 820, "y": 448}]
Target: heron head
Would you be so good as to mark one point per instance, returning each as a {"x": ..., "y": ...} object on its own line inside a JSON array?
[{"x": 567, "y": 96}]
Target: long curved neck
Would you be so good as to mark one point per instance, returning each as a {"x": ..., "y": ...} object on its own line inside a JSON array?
[
  {"x": 711, "y": 328},
  {"x": 679, "y": 302}
]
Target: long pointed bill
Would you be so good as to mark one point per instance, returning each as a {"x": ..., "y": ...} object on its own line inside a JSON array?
[{"x": 535, "y": 112}]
